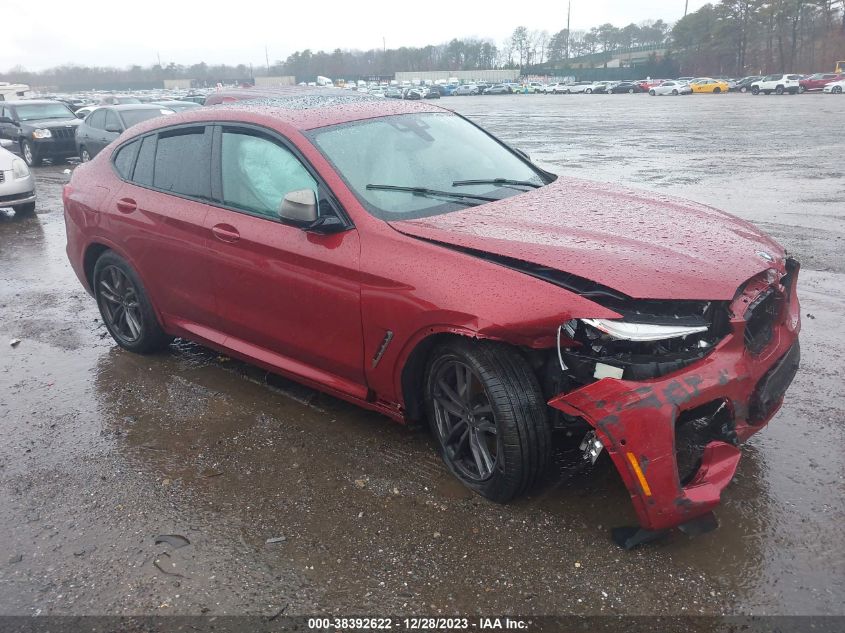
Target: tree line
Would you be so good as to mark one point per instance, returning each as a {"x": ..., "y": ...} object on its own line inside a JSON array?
[{"x": 729, "y": 37}]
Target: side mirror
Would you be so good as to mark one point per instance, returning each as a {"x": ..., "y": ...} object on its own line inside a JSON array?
[
  {"x": 299, "y": 207},
  {"x": 111, "y": 127},
  {"x": 80, "y": 115}
]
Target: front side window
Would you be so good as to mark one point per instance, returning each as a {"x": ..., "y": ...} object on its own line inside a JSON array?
[
  {"x": 433, "y": 151},
  {"x": 183, "y": 161},
  {"x": 258, "y": 172}
]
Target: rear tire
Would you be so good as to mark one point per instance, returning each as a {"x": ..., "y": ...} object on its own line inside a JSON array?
[
  {"x": 743, "y": 89},
  {"x": 125, "y": 306},
  {"x": 716, "y": 91},
  {"x": 488, "y": 415},
  {"x": 779, "y": 90},
  {"x": 588, "y": 91},
  {"x": 674, "y": 93},
  {"x": 837, "y": 90},
  {"x": 755, "y": 90},
  {"x": 652, "y": 93},
  {"x": 25, "y": 209}
]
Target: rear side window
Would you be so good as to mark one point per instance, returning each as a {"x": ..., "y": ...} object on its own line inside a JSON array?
[
  {"x": 183, "y": 161},
  {"x": 145, "y": 165},
  {"x": 125, "y": 158},
  {"x": 112, "y": 121}
]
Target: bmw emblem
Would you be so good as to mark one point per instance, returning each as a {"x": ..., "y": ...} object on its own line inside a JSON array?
[{"x": 766, "y": 256}]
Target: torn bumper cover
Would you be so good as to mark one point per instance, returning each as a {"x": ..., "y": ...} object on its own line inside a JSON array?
[{"x": 713, "y": 404}]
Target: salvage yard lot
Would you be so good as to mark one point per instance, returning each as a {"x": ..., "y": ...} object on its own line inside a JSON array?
[{"x": 104, "y": 450}]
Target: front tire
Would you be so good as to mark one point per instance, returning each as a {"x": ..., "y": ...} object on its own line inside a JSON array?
[
  {"x": 125, "y": 306},
  {"x": 487, "y": 412},
  {"x": 837, "y": 90},
  {"x": 30, "y": 155},
  {"x": 674, "y": 93},
  {"x": 755, "y": 90},
  {"x": 716, "y": 91},
  {"x": 779, "y": 90}
]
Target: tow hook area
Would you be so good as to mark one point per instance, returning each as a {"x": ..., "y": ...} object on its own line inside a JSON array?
[{"x": 630, "y": 537}]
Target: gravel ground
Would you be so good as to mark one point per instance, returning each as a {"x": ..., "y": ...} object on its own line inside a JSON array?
[{"x": 292, "y": 500}]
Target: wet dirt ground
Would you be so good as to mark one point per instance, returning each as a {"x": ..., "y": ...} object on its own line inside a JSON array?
[{"x": 103, "y": 451}]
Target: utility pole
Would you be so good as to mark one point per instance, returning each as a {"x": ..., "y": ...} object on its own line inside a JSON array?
[
  {"x": 267, "y": 59},
  {"x": 686, "y": 8},
  {"x": 159, "y": 59},
  {"x": 568, "y": 15}
]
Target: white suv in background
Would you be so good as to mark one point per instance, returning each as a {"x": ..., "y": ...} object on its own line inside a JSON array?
[{"x": 777, "y": 84}]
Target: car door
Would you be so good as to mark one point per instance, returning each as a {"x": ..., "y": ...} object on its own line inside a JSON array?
[
  {"x": 159, "y": 212},
  {"x": 287, "y": 295}
]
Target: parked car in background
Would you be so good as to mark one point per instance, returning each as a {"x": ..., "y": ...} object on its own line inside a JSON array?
[
  {"x": 601, "y": 87},
  {"x": 465, "y": 90},
  {"x": 176, "y": 106},
  {"x": 706, "y": 85},
  {"x": 499, "y": 89},
  {"x": 393, "y": 93},
  {"x": 106, "y": 123},
  {"x": 554, "y": 88},
  {"x": 118, "y": 100},
  {"x": 671, "y": 87},
  {"x": 84, "y": 111},
  {"x": 817, "y": 81},
  {"x": 744, "y": 84},
  {"x": 579, "y": 87},
  {"x": 414, "y": 93},
  {"x": 623, "y": 87},
  {"x": 834, "y": 87},
  {"x": 42, "y": 129},
  {"x": 537, "y": 308},
  {"x": 779, "y": 84},
  {"x": 431, "y": 92},
  {"x": 17, "y": 186}
]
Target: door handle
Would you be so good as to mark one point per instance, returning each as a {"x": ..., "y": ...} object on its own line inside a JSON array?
[
  {"x": 225, "y": 233},
  {"x": 126, "y": 205}
]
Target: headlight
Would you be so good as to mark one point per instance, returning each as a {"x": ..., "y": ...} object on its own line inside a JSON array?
[
  {"x": 19, "y": 169},
  {"x": 625, "y": 331},
  {"x": 41, "y": 134}
]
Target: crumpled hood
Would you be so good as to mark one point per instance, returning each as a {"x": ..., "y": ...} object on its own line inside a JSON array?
[{"x": 643, "y": 244}]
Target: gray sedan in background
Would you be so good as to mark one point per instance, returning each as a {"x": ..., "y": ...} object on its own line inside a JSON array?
[{"x": 106, "y": 123}]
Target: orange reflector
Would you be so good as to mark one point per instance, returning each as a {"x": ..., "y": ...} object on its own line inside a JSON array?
[{"x": 635, "y": 464}]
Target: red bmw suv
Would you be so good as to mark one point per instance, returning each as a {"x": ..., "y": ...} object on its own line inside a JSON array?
[{"x": 399, "y": 257}]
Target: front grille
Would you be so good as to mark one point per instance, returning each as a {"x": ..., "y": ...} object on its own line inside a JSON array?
[
  {"x": 2, "y": 176},
  {"x": 63, "y": 132},
  {"x": 760, "y": 320},
  {"x": 695, "y": 429}
]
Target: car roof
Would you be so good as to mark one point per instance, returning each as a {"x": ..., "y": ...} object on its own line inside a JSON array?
[{"x": 302, "y": 110}]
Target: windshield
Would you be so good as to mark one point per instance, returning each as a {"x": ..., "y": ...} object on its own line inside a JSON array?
[
  {"x": 432, "y": 151},
  {"x": 133, "y": 117},
  {"x": 43, "y": 111}
]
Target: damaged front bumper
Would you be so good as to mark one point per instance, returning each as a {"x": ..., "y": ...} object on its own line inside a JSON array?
[{"x": 727, "y": 396}]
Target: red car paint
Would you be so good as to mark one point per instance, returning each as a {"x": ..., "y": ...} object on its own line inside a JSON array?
[
  {"x": 350, "y": 288},
  {"x": 818, "y": 82}
]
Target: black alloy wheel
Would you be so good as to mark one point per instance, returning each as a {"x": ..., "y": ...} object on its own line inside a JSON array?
[
  {"x": 486, "y": 410},
  {"x": 126, "y": 310}
]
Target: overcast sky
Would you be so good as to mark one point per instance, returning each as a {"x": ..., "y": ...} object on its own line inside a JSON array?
[{"x": 47, "y": 33}]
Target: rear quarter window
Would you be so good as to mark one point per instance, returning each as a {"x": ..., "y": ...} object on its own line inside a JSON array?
[{"x": 124, "y": 159}]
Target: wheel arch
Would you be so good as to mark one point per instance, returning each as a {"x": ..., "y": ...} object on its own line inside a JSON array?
[{"x": 93, "y": 252}]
